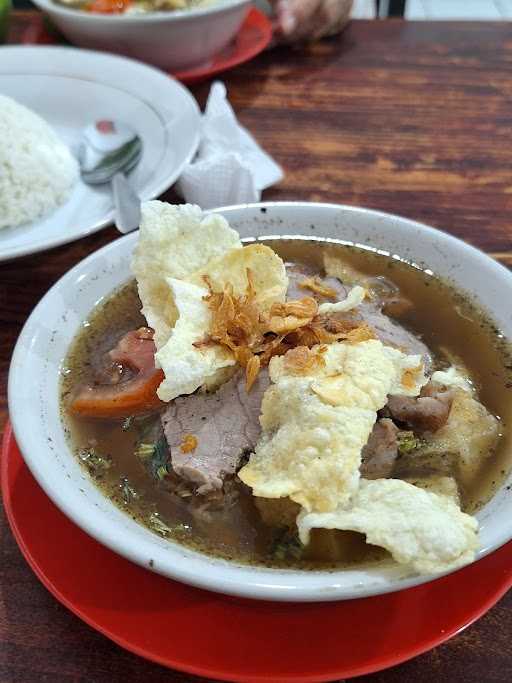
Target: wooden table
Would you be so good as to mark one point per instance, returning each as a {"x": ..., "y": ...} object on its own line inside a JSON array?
[{"x": 412, "y": 118}]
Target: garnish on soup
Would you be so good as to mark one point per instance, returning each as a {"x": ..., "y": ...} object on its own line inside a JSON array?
[
  {"x": 269, "y": 408},
  {"x": 130, "y": 7}
]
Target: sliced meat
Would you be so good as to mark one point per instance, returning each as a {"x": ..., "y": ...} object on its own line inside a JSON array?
[
  {"x": 391, "y": 332},
  {"x": 297, "y": 273},
  {"x": 388, "y": 331},
  {"x": 224, "y": 425},
  {"x": 381, "y": 451},
  {"x": 426, "y": 413},
  {"x": 468, "y": 438}
]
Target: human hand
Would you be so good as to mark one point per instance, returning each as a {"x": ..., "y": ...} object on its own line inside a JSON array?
[{"x": 302, "y": 20}]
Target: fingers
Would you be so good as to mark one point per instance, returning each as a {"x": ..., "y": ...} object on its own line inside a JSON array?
[
  {"x": 335, "y": 15},
  {"x": 300, "y": 20},
  {"x": 297, "y": 17}
]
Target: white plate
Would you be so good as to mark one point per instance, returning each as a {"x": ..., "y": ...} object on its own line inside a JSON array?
[{"x": 70, "y": 88}]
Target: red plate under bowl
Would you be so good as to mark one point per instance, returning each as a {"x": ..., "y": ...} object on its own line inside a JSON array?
[
  {"x": 253, "y": 37},
  {"x": 230, "y": 638}
]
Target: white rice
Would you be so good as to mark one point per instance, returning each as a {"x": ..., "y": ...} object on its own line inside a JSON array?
[{"x": 37, "y": 170}]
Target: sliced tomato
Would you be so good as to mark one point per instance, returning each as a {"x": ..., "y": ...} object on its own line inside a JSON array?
[{"x": 135, "y": 396}]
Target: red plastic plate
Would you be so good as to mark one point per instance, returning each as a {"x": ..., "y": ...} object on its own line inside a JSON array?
[
  {"x": 253, "y": 37},
  {"x": 229, "y": 638}
]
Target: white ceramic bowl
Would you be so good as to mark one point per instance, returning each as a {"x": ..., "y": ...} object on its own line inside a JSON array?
[
  {"x": 42, "y": 346},
  {"x": 170, "y": 40}
]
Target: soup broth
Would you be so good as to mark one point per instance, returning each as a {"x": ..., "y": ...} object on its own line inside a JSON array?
[{"x": 232, "y": 528}]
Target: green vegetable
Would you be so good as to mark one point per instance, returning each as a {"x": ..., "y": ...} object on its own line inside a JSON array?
[
  {"x": 144, "y": 451},
  {"x": 160, "y": 460},
  {"x": 5, "y": 8},
  {"x": 408, "y": 442},
  {"x": 158, "y": 525},
  {"x": 155, "y": 456},
  {"x": 129, "y": 493},
  {"x": 147, "y": 427},
  {"x": 95, "y": 462},
  {"x": 286, "y": 546},
  {"x": 161, "y": 472},
  {"x": 127, "y": 423}
]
